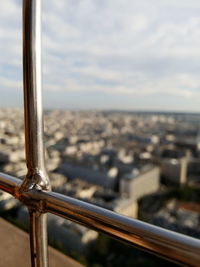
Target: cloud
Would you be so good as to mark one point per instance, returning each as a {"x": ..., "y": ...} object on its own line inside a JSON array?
[{"x": 114, "y": 47}]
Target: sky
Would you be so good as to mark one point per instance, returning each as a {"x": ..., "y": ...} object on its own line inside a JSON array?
[{"x": 108, "y": 54}]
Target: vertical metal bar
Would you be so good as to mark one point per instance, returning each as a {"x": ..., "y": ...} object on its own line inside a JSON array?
[
  {"x": 36, "y": 177},
  {"x": 39, "y": 253}
]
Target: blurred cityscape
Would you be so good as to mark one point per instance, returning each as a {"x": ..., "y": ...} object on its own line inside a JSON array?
[{"x": 144, "y": 165}]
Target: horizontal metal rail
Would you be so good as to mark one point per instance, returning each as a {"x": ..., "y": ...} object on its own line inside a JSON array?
[{"x": 170, "y": 245}]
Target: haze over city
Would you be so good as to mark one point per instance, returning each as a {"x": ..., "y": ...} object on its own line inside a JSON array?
[{"x": 116, "y": 54}]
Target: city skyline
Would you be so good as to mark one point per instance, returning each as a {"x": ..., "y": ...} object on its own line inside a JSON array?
[{"x": 109, "y": 55}]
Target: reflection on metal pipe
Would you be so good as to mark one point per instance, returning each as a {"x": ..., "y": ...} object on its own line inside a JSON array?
[
  {"x": 173, "y": 246},
  {"x": 170, "y": 245},
  {"x": 38, "y": 237},
  {"x": 10, "y": 184},
  {"x": 37, "y": 176}
]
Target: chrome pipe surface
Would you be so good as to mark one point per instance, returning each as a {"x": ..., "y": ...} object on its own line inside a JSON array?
[
  {"x": 32, "y": 76},
  {"x": 10, "y": 184},
  {"x": 38, "y": 237},
  {"x": 33, "y": 116},
  {"x": 170, "y": 245}
]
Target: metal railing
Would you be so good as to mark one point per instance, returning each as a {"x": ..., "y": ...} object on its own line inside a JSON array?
[{"x": 35, "y": 190}]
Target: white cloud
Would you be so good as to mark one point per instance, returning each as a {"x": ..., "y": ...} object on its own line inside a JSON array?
[
  {"x": 123, "y": 47},
  {"x": 10, "y": 84}
]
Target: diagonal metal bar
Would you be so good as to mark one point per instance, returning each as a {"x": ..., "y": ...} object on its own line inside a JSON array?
[{"x": 170, "y": 245}]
